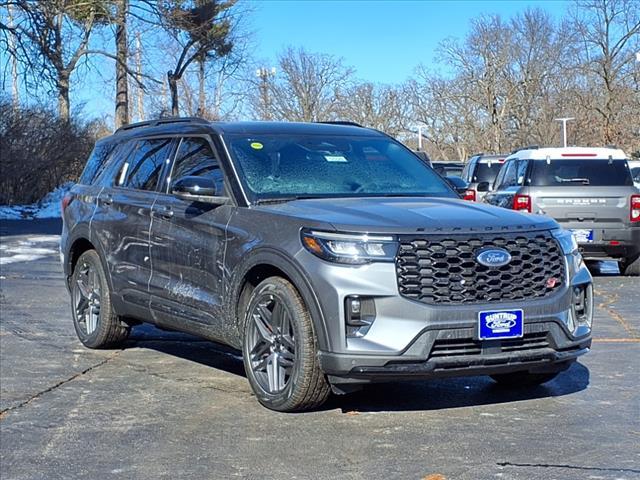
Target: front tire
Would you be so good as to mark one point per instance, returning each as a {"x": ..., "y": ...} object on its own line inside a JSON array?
[
  {"x": 279, "y": 349},
  {"x": 523, "y": 379},
  {"x": 96, "y": 324}
]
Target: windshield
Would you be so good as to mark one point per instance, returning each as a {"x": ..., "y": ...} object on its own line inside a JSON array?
[
  {"x": 293, "y": 166},
  {"x": 486, "y": 172},
  {"x": 568, "y": 173}
]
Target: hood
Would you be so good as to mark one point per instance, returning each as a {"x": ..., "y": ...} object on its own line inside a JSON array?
[{"x": 409, "y": 215}]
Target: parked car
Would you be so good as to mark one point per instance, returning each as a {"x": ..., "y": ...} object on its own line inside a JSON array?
[
  {"x": 634, "y": 167},
  {"x": 449, "y": 169},
  {"x": 330, "y": 255},
  {"x": 480, "y": 172},
  {"x": 587, "y": 190}
]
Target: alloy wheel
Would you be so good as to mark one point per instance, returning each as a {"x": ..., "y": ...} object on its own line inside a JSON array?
[
  {"x": 272, "y": 343},
  {"x": 86, "y": 293}
]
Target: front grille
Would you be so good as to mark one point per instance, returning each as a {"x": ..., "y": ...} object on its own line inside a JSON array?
[
  {"x": 443, "y": 269},
  {"x": 468, "y": 346}
]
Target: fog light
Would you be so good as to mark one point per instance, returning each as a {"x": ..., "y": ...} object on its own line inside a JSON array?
[
  {"x": 582, "y": 308},
  {"x": 360, "y": 312}
]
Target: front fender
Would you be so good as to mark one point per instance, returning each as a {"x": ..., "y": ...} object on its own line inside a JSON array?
[{"x": 294, "y": 272}]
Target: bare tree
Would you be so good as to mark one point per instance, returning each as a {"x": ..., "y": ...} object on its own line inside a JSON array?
[
  {"x": 378, "y": 106},
  {"x": 203, "y": 30},
  {"x": 608, "y": 38},
  {"x": 51, "y": 37},
  {"x": 308, "y": 86}
]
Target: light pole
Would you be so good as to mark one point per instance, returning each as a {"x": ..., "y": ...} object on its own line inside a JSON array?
[
  {"x": 264, "y": 74},
  {"x": 564, "y": 128}
]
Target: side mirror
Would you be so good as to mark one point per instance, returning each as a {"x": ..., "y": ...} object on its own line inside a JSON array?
[
  {"x": 483, "y": 187},
  {"x": 197, "y": 189},
  {"x": 458, "y": 184}
]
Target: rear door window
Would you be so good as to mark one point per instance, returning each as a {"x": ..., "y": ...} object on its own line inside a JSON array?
[
  {"x": 143, "y": 168},
  {"x": 567, "y": 173}
]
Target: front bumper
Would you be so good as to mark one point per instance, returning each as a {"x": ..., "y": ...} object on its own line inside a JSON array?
[
  {"x": 413, "y": 339},
  {"x": 450, "y": 353}
]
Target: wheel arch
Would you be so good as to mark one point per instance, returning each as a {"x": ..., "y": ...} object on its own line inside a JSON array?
[
  {"x": 262, "y": 264},
  {"x": 77, "y": 246}
]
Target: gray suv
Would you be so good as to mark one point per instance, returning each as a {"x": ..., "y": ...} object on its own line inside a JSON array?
[
  {"x": 589, "y": 191},
  {"x": 480, "y": 172},
  {"x": 330, "y": 255}
]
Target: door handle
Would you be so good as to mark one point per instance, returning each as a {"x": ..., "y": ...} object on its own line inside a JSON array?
[{"x": 166, "y": 212}]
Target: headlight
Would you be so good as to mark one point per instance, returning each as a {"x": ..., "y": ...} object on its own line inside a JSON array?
[
  {"x": 566, "y": 240},
  {"x": 350, "y": 248}
]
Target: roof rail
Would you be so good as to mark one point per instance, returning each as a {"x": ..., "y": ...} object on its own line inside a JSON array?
[
  {"x": 529, "y": 147},
  {"x": 161, "y": 121},
  {"x": 342, "y": 122}
]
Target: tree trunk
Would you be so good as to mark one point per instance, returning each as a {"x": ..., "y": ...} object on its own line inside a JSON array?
[
  {"x": 14, "y": 62},
  {"x": 122, "y": 81},
  {"x": 63, "y": 95},
  {"x": 173, "y": 88},
  {"x": 202, "y": 99}
]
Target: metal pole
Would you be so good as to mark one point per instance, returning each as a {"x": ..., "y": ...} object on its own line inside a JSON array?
[
  {"x": 419, "y": 138},
  {"x": 564, "y": 128}
]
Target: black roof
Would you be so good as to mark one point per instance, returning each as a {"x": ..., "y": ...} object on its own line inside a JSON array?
[{"x": 195, "y": 125}]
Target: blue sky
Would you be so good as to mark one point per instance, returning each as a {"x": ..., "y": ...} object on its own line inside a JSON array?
[{"x": 383, "y": 40}]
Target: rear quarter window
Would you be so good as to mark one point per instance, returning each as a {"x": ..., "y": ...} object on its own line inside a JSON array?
[
  {"x": 593, "y": 172},
  {"x": 97, "y": 162}
]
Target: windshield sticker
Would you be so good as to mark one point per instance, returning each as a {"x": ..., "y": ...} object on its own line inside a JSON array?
[
  {"x": 256, "y": 145},
  {"x": 335, "y": 158}
]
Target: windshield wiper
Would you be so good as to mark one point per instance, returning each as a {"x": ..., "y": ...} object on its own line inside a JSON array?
[
  {"x": 584, "y": 181},
  {"x": 263, "y": 201}
]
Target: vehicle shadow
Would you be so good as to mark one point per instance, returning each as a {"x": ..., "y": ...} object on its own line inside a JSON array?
[
  {"x": 188, "y": 347},
  {"x": 424, "y": 395}
]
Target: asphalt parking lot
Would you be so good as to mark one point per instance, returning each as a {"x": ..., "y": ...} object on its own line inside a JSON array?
[{"x": 172, "y": 406}]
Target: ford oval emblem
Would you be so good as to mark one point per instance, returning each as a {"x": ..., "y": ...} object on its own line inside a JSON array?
[{"x": 493, "y": 257}]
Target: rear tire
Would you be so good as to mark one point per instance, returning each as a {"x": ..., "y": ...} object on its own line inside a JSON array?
[
  {"x": 523, "y": 379},
  {"x": 630, "y": 268},
  {"x": 96, "y": 324},
  {"x": 279, "y": 349}
]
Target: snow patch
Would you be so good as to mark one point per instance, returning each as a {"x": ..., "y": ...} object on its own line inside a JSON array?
[
  {"x": 47, "y": 207},
  {"x": 29, "y": 249}
]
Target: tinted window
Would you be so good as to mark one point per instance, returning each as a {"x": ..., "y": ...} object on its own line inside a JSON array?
[
  {"x": 284, "y": 166},
  {"x": 635, "y": 173},
  {"x": 580, "y": 173},
  {"x": 96, "y": 163},
  {"x": 465, "y": 172},
  {"x": 145, "y": 165},
  {"x": 486, "y": 172},
  {"x": 509, "y": 176},
  {"x": 196, "y": 159},
  {"x": 521, "y": 171}
]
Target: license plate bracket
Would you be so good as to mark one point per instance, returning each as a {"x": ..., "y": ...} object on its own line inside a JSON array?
[{"x": 497, "y": 324}]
